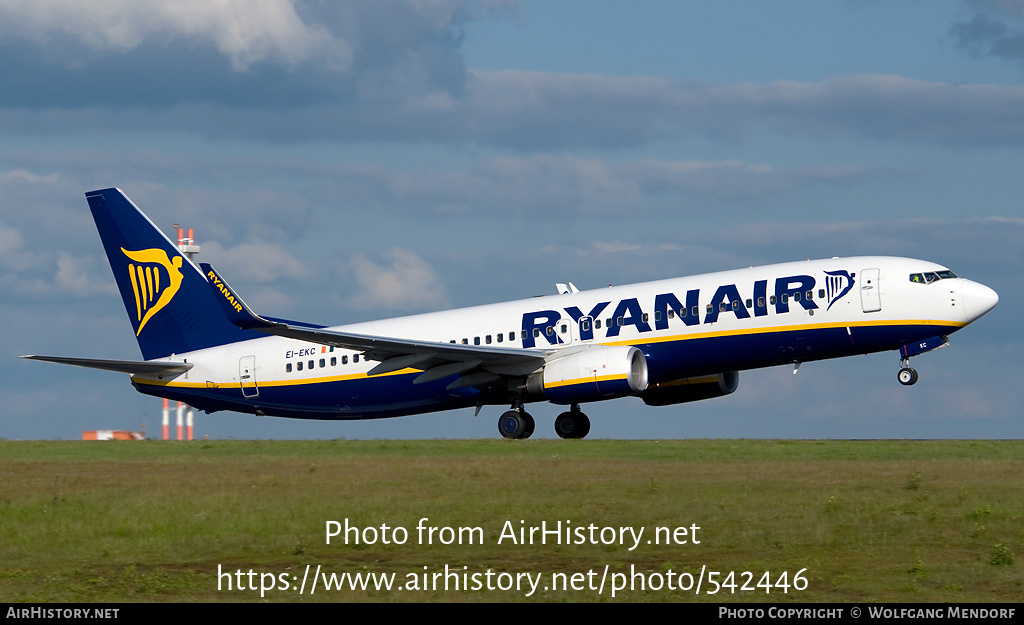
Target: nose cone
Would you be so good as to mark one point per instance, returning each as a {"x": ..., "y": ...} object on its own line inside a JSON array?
[{"x": 978, "y": 299}]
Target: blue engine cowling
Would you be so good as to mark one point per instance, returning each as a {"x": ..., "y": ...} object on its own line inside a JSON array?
[{"x": 691, "y": 389}]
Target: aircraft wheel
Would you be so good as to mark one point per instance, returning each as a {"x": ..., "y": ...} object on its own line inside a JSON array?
[
  {"x": 530, "y": 425},
  {"x": 572, "y": 425},
  {"x": 907, "y": 376},
  {"x": 512, "y": 424}
]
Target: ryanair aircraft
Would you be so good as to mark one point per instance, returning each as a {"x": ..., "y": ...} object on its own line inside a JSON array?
[{"x": 666, "y": 342}]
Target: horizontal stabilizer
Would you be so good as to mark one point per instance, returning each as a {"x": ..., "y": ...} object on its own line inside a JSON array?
[{"x": 122, "y": 366}]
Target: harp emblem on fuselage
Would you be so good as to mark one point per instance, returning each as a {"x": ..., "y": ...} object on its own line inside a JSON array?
[
  {"x": 155, "y": 281},
  {"x": 839, "y": 284}
]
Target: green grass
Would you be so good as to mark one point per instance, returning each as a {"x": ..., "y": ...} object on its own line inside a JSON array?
[{"x": 868, "y": 520}]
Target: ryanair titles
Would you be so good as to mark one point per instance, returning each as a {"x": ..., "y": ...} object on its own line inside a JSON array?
[
  {"x": 220, "y": 286},
  {"x": 726, "y": 301}
]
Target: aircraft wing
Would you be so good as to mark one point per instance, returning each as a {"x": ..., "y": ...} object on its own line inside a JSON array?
[
  {"x": 438, "y": 360},
  {"x": 123, "y": 366}
]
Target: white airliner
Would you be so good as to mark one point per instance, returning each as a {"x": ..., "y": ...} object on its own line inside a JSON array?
[{"x": 666, "y": 342}]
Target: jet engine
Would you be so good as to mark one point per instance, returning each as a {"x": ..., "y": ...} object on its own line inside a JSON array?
[
  {"x": 591, "y": 375},
  {"x": 691, "y": 389}
]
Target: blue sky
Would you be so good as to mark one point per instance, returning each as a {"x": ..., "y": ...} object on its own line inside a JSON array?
[{"x": 351, "y": 161}]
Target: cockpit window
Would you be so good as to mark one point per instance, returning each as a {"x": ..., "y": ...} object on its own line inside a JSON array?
[{"x": 931, "y": 276}]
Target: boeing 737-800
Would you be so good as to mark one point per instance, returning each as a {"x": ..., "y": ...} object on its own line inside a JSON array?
[{"x": 666, "y": 342}]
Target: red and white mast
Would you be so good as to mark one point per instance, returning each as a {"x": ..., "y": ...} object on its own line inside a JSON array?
[{"x": 187, "y": 246}]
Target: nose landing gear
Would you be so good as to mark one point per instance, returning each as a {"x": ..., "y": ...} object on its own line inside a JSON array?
[{"x": 907, "y": 375}]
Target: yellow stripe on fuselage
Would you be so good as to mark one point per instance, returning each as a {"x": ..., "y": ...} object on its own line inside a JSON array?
[
  {"x": 587, "y": 380},
  {"x": 265, "y": 383}
]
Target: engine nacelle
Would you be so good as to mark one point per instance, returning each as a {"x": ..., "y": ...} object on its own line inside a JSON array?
[
  {"x": 691, "y": 389},
  {"x": 591, "y": 375}
]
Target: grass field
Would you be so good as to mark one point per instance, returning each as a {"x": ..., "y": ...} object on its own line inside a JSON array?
[{"x": 903, "y": 521}]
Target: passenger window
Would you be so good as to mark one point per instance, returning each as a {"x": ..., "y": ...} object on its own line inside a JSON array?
[
  {"x": 772, "y": 300},
  {"x": 585, "y": 325},
  {"x": 288, "y": 368},
  {"x": 749, "y": 303},
  {"x": 821, "y": 293},
  {"x": 355, "y": 358},
  {"x": 645, "y": 317},
  {"x": 696, "y": 313},
  {"x": 597, "y": 324},
  {"x": 344, "y": 360},
  {"x": 796, "y": 296},
  {"x": 564, "y": 328},
  {"x": 671, "y": 315},
  {"x": 760, "y": 302},
  {"x": 550, "y": 331},
  {"x": 723, "y": 307},
  {"x": 657, "y": 315},
  {"x": 511, "y": 336},
  {"x": 323, "y": 363},
  {"x": 311, "y": 364},
  {"x": 735, "y": 304},
  {"x": 711, "y": 309},
  {"x": 500, "y": 337},
  {"x": 298, "y": 365},
  {"x": 619, "y": 321},
  {"x": 476, "y": 340},
  {"x": 536, "y": 333},
  {"x": 487, "y": 339},
  {"x": 608, "y": 322},
  {"x": 465, "y": 341},
  {"x": 334, "y": 361}
]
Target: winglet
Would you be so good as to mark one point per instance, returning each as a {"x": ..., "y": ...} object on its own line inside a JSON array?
[{"x": 232, "y": 305}]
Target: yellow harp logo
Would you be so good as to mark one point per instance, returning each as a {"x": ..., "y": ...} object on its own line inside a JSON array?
[{"x": 146, "y": 281}]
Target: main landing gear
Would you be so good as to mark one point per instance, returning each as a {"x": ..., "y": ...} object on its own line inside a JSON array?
[
  {"x": 572, "y": 424},
  {"x": 907, "y": 376},
  {"x": 517, "y": 423}
]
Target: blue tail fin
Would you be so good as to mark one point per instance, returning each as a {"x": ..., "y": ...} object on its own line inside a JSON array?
[{"x": 168, "y": 300}]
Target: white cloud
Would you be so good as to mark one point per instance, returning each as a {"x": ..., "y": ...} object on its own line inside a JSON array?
[
  {"x": 10, "y": 241},
  {"x": 23, "y": 175},
  {"x": 253, "y": 262},
  {"x": 516, "y": 185},
  {"x": 246, "y": 32},
  {"x": 403, "y": 282},
  {"x": 82, "y": 276}
]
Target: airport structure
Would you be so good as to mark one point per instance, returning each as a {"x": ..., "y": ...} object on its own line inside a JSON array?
[{"x": 187, "y": 246}]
